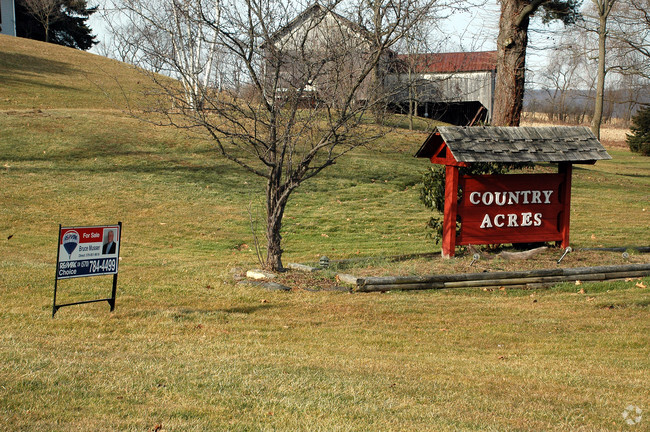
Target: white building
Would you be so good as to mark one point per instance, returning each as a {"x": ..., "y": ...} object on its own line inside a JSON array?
[{"x": 7, "y": 18}]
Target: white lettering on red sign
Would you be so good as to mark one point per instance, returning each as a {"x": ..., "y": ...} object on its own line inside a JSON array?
[
  {"x": 510, "y": 198},
  {"x": 511, "y": 220}
]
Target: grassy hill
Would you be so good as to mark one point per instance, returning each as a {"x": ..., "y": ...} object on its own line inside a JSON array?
[
  {"x": 189, "y": 349},
  {"x": 59, "y": 115},
  {"x": 46, "y": 76}
]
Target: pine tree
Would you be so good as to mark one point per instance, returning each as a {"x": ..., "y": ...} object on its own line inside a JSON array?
[
  {"x": 639, "y": 141},
  {"x": 62, "y": 22}
]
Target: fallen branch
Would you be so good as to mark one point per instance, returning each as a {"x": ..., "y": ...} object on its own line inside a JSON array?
[
  {"x": 508, "y": 256},
  {"x": 523, "y": 255}
]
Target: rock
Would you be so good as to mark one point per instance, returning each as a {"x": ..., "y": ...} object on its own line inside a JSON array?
[
  {"x": 302, "y": 267},
  {"x": 272, "y": 286},
  {"x": 237, "y": 273},
  {"x": 259, "y": 275}
]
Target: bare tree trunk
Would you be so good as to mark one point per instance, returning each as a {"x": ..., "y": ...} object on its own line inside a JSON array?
[
  {"x": 276, "y": 201},
  {"x": 46, "y": 26},
  {"x": 411, "y": 98},
  {"x": 604, "y": 8},
  {"x": 511, "y": 62},
  {"x": 274, "y": 241},
  {"x": 600, "y": 84}
]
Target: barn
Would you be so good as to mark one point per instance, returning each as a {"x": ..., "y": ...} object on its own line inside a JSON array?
[{"x": 456, "y": 88}]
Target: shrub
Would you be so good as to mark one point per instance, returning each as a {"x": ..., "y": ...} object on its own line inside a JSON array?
[
  {"x": 432, "y": 191},
  {"x": 639, "y": 141}
]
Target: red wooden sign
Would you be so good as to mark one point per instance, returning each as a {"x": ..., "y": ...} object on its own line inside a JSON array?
[{"x": 514, "y": 208}]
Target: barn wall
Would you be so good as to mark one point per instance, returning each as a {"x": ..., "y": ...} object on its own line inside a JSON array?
[
  {"x": 324, "y": 56},
  {"x": 447, "y": 87}
]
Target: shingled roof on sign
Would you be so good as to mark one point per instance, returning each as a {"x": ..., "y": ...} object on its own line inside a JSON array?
[{"x": 574, "y": 144}]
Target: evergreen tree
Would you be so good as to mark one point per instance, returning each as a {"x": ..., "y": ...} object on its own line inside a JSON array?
[
  {"x": 639, "y": 141},
  {"x": 62, "y": 22}
]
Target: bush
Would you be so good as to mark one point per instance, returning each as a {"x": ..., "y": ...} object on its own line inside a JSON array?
[
  {"x": 432, "y": 192},
  {"x": 639, "y": 141}
]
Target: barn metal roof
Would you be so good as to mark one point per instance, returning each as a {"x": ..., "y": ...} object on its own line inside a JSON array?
[
  {"x": 452, "y": 62},
  {"x": 575, "y": 144}
]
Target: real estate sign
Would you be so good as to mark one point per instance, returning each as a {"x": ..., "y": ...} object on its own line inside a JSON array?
[{"x": 88, "y": 251}]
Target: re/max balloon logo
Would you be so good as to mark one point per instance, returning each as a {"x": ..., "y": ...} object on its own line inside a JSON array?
[{"x": 70, "y": 242}]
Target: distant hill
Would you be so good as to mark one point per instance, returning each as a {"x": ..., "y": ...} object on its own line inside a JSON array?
[
  {"x": 582, "y": 101},
  {"x": 39, "y": 75}
]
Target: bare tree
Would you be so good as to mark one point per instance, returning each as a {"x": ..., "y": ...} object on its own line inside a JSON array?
[
  {"x": 560, "y": 77},
  {"x": 631, "y": 90},
  {"x": 632, "y": 29},
  {"x": 603, "y": 10},
  {"x": 567, "y": 77},
  {"x": 282, "y": 98},
  {"x": 511, "y": 48},
  {"x": 46, "y": 12},
  {"x": 609, "y": 83}
]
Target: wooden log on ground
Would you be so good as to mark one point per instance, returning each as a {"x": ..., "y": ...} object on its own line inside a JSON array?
[
  {"x": 625, "y": 275},
  {"x": 533, "y": 278},
  {"x": 607, "y": 269},
  {"x": 347, "y": 279},
  {"x": 391, "y": 280},
  {"x": 401, "y": 287},
  {"x": 394, "y": 280},
  {"x": 524, "y": 281}
]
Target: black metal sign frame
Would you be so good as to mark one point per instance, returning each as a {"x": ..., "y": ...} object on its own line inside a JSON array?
[{"x": 113, "y": 271}]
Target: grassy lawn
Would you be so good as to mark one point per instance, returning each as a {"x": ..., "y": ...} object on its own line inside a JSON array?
[{"x": 188, "y": 349}]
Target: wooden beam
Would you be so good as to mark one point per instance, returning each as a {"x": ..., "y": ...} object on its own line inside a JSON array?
[
  {"x": 565, "y": 199},
  {"x": 451, "y": 209}
]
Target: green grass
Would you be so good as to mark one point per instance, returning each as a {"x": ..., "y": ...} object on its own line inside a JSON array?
[{"x": 188, "y": 349}]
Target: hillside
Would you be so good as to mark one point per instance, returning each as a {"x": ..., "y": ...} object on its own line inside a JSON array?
[
  {"x": 36, "y": 75},
  {"x": 57, "y": 110}
]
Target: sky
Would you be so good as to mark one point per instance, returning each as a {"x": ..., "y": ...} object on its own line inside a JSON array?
[{"x": 475, "y": 30}]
